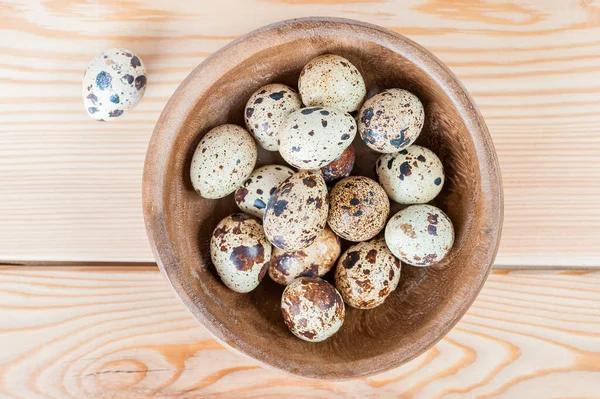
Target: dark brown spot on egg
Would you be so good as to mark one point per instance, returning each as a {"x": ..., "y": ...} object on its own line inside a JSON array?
[
  {"x": 135, "y": 62},
  {"x": 351, "y": 259},
  {"x": 140, "y": 82},
  {"x": 244, "y": 257},
  {"x": 277, "y": 95},
  {"x": 371, "y": 256},
  {"x": 405, "y": 170},
  {"x": 279, "y": 207},
  {"x": 309, "y": 182},
  {"x": 340, "y": 167},
  {"x": 311, "y": 271},
  {"x": 431, "y": 218},
  {"x": 249, "y": 112},
  {"x": 220, "y": 232},
  {"x": 307, "y": 334},
  {"x": 322, "y": 294},
  {"x": 318, "y": 203}
]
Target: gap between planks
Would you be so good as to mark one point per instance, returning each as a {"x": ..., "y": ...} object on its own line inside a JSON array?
[{"x": 151, "y": 266}]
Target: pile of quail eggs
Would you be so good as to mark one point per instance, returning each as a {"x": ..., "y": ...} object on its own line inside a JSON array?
[{"x": 291, "y": 224}]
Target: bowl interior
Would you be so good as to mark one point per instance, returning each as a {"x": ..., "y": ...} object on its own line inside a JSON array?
[{"x": 427, "y": 302}]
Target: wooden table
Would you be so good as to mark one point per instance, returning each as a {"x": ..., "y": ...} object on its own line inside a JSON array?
[{"x": 89, "y": 315}]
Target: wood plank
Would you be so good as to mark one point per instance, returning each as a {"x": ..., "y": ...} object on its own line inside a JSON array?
[
  {"x": 110, "y": 332},
  {"x": 71, "y": 187}
]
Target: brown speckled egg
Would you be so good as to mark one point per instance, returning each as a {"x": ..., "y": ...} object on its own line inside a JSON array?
[
  {"x": 253, "y": 195},
  {"x": 340, "y": 167},
  {"x": 332, "y": 81},
  {"x": 240, "y": 252},
  {"x": 391, "y": 121},
  {"x": 412, "y": 176},
  {"x": 313, "y": 137},
  {"x": 224, "y": 158},
  {"x": 266, "y": 111},
  {"x": 420, "y": 235},
  {"x": 297, "y": 211},
  {"x": 312, "y": 261},
  {"x": 312, "y": 309},
  {"x": 359, "y": 208},
  {"x": 367, "y": 273}
]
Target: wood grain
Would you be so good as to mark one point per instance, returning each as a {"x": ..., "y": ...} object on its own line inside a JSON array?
[
  {"x": 71, "y": 187},
  {"x": 98, "y": 332}
]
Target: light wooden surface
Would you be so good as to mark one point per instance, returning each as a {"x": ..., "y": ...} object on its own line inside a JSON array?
[
  {"x": 71, "y": 187},
  {"x": 120, "y": 333}
]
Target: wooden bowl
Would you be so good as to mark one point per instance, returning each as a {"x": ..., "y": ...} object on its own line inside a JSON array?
[{"x": 428, "y": 301}]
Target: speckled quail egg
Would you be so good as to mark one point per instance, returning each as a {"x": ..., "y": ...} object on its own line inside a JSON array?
[
  {"x": 267, "y": 110},
  {"x": 367, "y": 273},
  {"x": 312, "y": 261},
  {"x": 340, "y": 167},
  {"x": 420, "y": 235},
  {"x": 358, "y": 208},
  {"x": 332, "y": 81},
  {"x": 412, "y": 176},
  {"x": 313, "y": 137},
  {"x": 253, "y": 195},
  {"x": 391, "y": 121},
  {"x": 240, "y": 252},
  {"x": 312, "y": 309},
  {"x": 114, "y": 82},
  {"x": 297, "y": 211},
  {"x": 224, "y": 158}
]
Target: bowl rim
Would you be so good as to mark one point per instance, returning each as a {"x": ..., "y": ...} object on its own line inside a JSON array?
[{"x": 181, "y": 104}]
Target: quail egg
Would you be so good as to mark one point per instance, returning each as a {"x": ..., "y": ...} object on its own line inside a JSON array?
[
  {"x": 114, "y": 82},
  {"x": 297, "y": 211},
  {"x": 313, "y": 137},
  {"x": 240, "y": 252},
  {"x": 340, "y": 167},
  {"x": 224, "y": 158},
  {"x": 332, "y": 81},
  {"x": 313, "y": 261},
  {"x": 391, "y": 121},
  {"x": 267, "y": 110},
  {"x": 312, "y": 309},
  {"x": 420, "y": 235},
  {"x": 412, "y": 176},
  {"x": 359, "y": 208},
  {"x": 253, "y": 195},
  {"x": 367, "y": 273}
]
